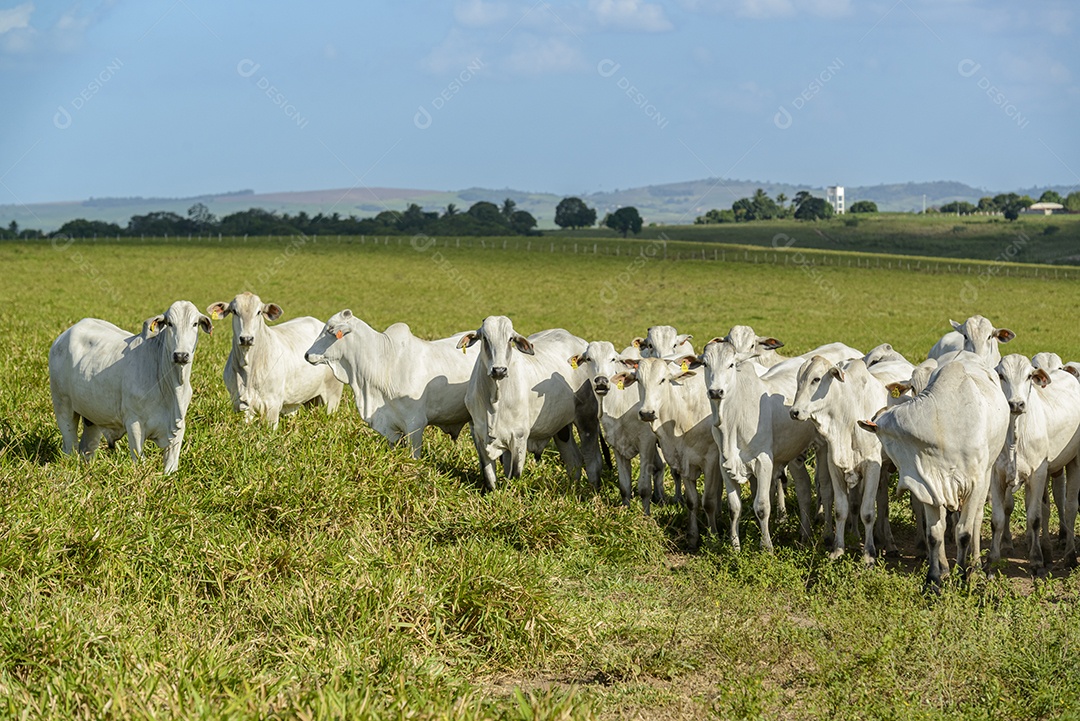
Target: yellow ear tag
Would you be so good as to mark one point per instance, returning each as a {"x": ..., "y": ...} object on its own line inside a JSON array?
[
  {"x": 153, "y": 326},
  {"x": 895, "y": 392},
  {"x": 464, "y": 349},
  {"x": 619, "y": 385},
  {"x": 214, "y": 315},
  {"x": 338, "y": 335},
  {"x": 685, "y": 366},
  {"x": 573, "y": 363}
]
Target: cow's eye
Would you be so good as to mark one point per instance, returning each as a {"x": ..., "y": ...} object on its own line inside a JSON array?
[{"x": 816, "y": 380}]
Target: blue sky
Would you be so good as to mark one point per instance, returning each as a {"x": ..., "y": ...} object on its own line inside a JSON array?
[{"x": 185, "y": 97}]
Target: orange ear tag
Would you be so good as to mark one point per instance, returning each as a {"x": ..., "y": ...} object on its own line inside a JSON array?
[{"x": 338, "y": 335}]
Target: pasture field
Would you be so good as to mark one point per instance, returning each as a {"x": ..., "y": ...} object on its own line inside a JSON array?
[
  {"x": 313, "y": 572},
  {"x": 1029, "y": 239}
]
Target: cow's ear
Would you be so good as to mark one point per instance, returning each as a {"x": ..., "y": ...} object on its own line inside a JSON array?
[
  {"x": 1040, "y": 378},
  {"x": 637, "y": 343},
  {"x": 631, "y": 362},
  {"x": 576, "y": 360},
  {"x": 684, "y": 375},
  {"x": 717, "y": 339},
  {"x": 622, "y": 380},
  {"x": 770, "y": 343},
  {"x": 218, "y": 310},
  {"x": 898, "y": 389},
  {"x": 272, "y": 311},
  {"x": 152, "y": 326},
  {"x": 868, "y": 426},
  {"x": 682, "y": 338},
  {"x": 837, "y": 372},
  {"x": 689, "y": 363},
  {"x": 346, "y": 313},
  {"x": 956, "y": 326},
  {"x": 1071, "y": 369},
  {"x": 1004, "y": 335},
  {"x": 206, "y": 325},
  {"x": 522, "y": 344},
  {"x": 468, "y": 339}
]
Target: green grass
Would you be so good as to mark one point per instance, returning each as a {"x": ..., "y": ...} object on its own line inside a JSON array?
[
  {"x": 1030, "y": 239},
  {"x": 313, "y": 572}
]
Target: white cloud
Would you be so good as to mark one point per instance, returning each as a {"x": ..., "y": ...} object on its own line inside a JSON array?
[
  {"x": 540, "y": 56},
  {"x": 772, "y": 9},
  {"x": 477, "y": 13},
  {"x": 16, "y": 18},
  {"x": 630, "y": 15}
]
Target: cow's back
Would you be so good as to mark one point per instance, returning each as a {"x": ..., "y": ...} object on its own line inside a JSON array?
[{"x": 87, "y": 366}]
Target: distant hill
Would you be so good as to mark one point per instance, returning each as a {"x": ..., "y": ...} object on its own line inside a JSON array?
[{"x": 671, "y": 203}]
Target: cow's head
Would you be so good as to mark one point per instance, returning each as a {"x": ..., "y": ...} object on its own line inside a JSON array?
[
  {"x": 720, "y": 359},
  {"x": 1047, "y": 361},
  {"x": 249, "y": 316},
  {"x": 747, "y": 343},
  {"x": 881, "y": 354},
  {"x": 663, "y": 340},
  {"x": 1017, "y": 375},
  {"x": 815, "y": 378},
  {"x": 601, "y": 361},
  {"x": 330, "y": 346},
  {"x": 499, "y": 341},
  {"x": 654, "y": 377},
  {"x": 982, "y": 338},
  {"x": 178, "y": 328}
]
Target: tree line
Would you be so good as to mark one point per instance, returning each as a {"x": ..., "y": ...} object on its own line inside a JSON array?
[
  {"x": 481, "y": 218},
  {"x": 1010, "y": 204},
  {"x": 804, "y": 206}
]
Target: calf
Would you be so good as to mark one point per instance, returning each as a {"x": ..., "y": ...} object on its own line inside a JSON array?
[{"x": 118, "y": 383}]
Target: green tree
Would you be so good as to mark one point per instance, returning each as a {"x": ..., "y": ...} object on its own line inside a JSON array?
[
  {"x": 987, "y": 205},
  {"x": 522, "y": 222},
  {"x": 573, "y": 213},
  {"x": 1072, "y": 201},
  {"x": 508, "y": 208},
  {"x": 863, "y": 206},
  {"x": 624, "y": 220},
  {"x": 201, "y": 216},
  {"x": 958, "y": 207},
  {"x": 486, "y": 212},
  {"x": 801, "y": 197},
  {"x": 451, "y": 211},
  {"x": 812, "y": 208},
  {"x": 1051, "y": 196}
]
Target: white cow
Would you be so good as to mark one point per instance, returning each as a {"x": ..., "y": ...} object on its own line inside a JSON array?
[
  {"x": 522, "y": 393},
  {"x": 672, "y": 401},
  {"x": 662, "y": 341},
  {"x": 834, "y": 398},
  {"x": 1047, "y": 361},
  {"x": 265, "y": 373},
  {"x": 762, "y": 349},
  {"x": 627, "y": 435},
  {"x": 1044, "y": 436},
  {"x": 402, "y": 384},
  {"x": 881, "y": 354},
  {"x": 755, "y": 433},
  {"x": 976, "y": 335},
  {"x": 944, "y": 443},
  {"x": 118, "y": 383}
]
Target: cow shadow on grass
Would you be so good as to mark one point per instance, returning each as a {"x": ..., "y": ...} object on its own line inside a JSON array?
[{"x": 36, "y": 446}]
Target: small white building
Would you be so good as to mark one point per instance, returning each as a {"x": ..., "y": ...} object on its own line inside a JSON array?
[
  {"x": 834, "y": 195},
  {"x": 1045, "y": 208}
]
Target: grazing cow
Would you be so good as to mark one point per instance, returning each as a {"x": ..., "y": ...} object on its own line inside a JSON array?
[
  {"x": 881, "y": 354},
  {"x": 1044, "y": 436},
  {"x": 834, "y": 398},
  {"x": 119, "y": 383},
  {"x": 672, "y": 401},
  {"x": 625, "y": 432},
  {"x": 755, "y": 433},
  {"x": 976, "y": 335},
  {"x": 522, "y": 393},
  {"x": 265, "y": 373},
  {"x": 944, "y": 443},
  {"x": 402, "y": 384}
]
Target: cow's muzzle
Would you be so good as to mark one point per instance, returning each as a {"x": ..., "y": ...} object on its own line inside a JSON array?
[
  {"x": 498, "y": 372},
  {"x": 181, "y": 357},
  {"x": 796, "y": 414},
  {"x": 647, "y": 416},
  {"x": 246, "y": 340},
  {"x": 715, "y": 394},
  {"x": 1017, "y": 407},
  {"x": 601, "y": 385}
]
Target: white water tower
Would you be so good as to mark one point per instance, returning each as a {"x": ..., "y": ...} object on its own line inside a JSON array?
[{"x": 834, "y": 194}]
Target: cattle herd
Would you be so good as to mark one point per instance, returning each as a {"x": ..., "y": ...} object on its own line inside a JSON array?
[{"x": 964, "y": 425}]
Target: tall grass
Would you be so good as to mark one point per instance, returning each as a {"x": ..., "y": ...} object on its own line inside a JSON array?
[{"x": 314, "y": 572}]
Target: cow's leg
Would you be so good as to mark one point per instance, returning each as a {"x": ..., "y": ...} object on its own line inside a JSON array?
[
  {"x": 626, "y": 475},
  {"x": 656, "y": 466},
  {"x": 693, "y": 505},
  {"x": 1072, "y": 500},
  {"x": 68, "y": 421},
  {"x": 731, "y": 489},
  {"x": 1057, "y": 487},
  {"x": 273, "y": 413},
  {"x": 921, "y": 532},
  {"x": 172, "y": 450},
  {"x": 840, "y": 510},
  {"x": 589, "y": 435},
  {"x": 781, "y": 494},
  {"x": 823, "y": 483},
  {"x": 882, "y": 528},
  {"x": 487, "y": 468},
  {"x": 1009, "y": 502},
  {"x": 569, "y": 453},
  {"x": 998, "y": 521},
  {"x": 763, "y": 471},
  {"x": 711, "y": 496},
  {"x": 1034, "y": 520},
  {"x": 969, "y": 527},
  {"x": 136, "y": 439},
  {"x": 331, "y": 396},
  {"x": 871, "y": 474},
  {"x": 415, "y": 436},
  {"x": 935, "y": 547},
  {"x": 91, "y": 437},
  {"x": 803, "y": 492}
]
